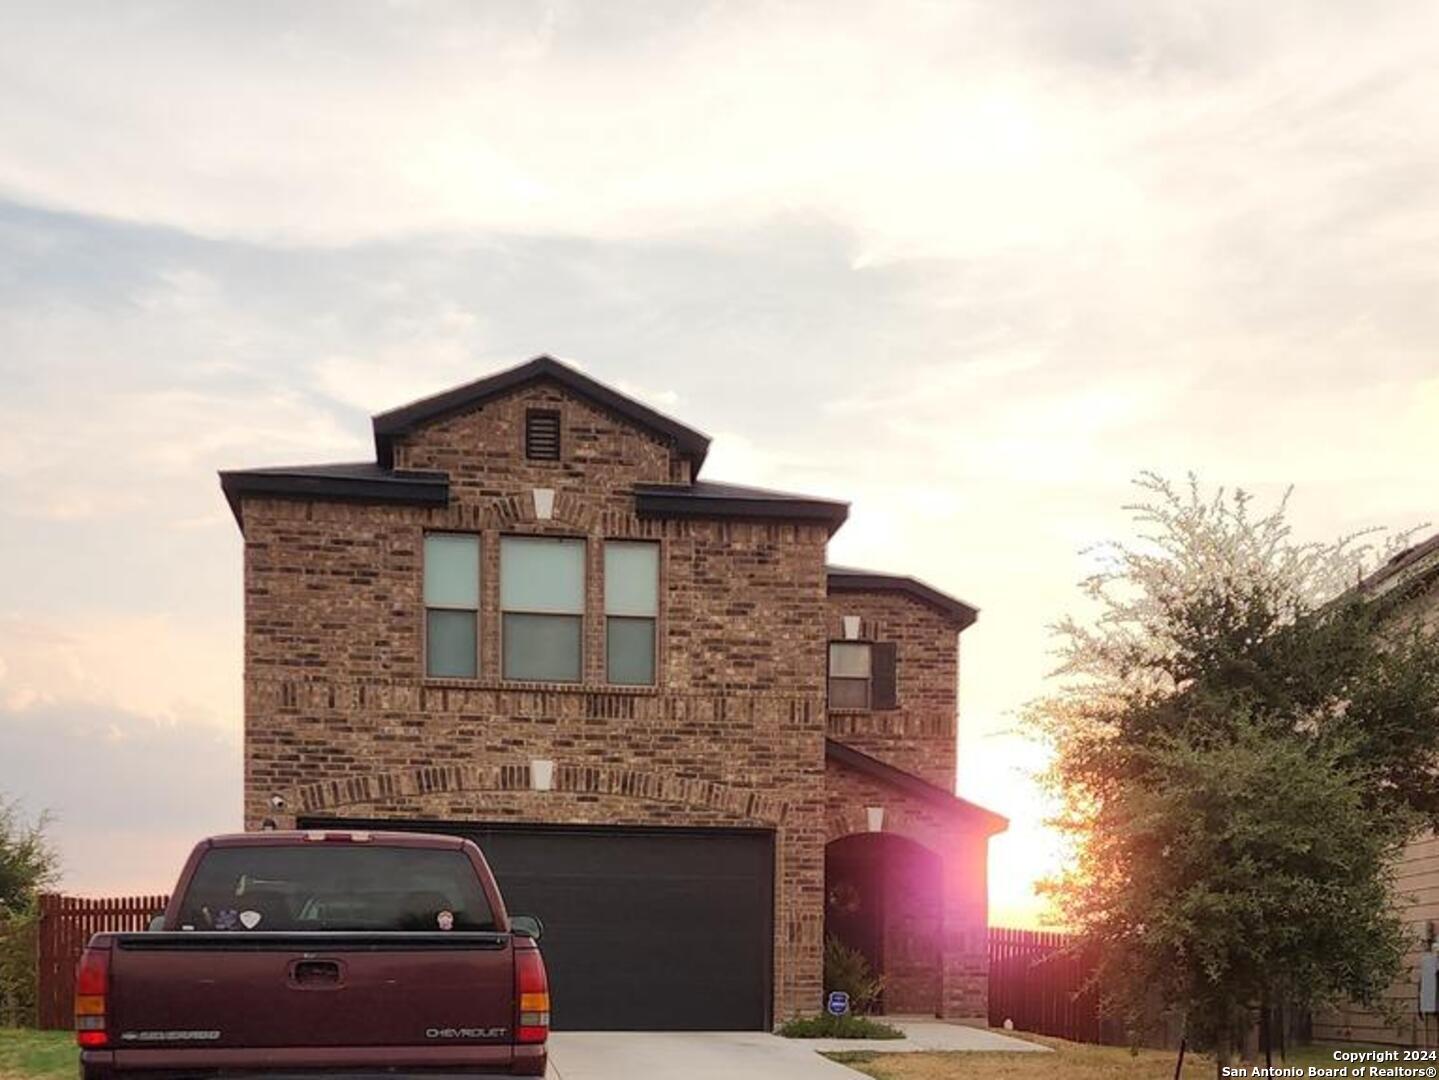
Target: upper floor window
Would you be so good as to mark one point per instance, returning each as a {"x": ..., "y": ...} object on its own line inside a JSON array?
[
  {"x": 542, "y": 435},
  {"x": 542, "y": 604},
  {"x": 452, "y": 605},
  {"x": 632, "y": 599},
  {"x": 862, "y": 675}
]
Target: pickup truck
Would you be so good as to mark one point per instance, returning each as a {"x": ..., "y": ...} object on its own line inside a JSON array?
[{"x": 331, "y": 953}]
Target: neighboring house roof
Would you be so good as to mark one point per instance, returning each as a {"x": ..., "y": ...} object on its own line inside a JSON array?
[
  {"x": 407, "y": 418},
  {"x": 356, "y": 481},
  {"x": 1416, "y": 561},
  {"x": 850, "y": 579},
  {"x": 912, "y": 785},
  {"x": 708, "y": 499}
]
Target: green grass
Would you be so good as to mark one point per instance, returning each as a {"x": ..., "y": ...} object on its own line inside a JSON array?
[
  {"x": 37, "y": 1055},
  {"x": 838, "y": 1027}
]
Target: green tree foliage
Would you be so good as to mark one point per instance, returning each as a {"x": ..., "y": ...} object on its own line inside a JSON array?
[
  {"x": 27, "y": 865},
  {"x": 1244, "y": 741}
]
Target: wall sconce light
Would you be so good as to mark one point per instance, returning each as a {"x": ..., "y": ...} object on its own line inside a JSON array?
[
  {"x": 542, "y": 774},
  {"x": 875, "y": 814}
]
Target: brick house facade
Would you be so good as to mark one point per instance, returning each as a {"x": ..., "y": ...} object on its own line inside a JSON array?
[{"x": 709, "y": 796}]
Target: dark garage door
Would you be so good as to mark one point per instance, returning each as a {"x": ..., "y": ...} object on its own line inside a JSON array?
[{"x": 658, "y": 929}]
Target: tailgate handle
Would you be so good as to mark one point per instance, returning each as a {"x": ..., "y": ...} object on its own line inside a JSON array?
[{"x": 315, "y": 973}]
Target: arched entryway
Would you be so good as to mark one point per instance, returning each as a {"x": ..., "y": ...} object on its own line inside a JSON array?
[{"x": 884, "y": 896}]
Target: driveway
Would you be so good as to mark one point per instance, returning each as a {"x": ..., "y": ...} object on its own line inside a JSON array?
[{"x": 751, "y": 1055}]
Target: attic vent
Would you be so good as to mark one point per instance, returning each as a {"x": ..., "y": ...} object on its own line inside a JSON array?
[{"x": 542, "y": 435}]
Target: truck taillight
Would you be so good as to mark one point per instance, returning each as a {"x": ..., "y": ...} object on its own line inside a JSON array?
[
  {"x": 92, "y": 984},
  {"x": 532, "y": 988}
]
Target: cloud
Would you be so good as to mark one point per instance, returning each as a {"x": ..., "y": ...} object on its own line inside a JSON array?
[
  {"x": 150, "y": 665},
  {"x": 128, "y": 795},
  {"x": 956, "y": 129}
]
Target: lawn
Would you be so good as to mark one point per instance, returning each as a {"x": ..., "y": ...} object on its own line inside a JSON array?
[
  {"x": 1070, "y": 1061},
  {"x": 36, "y": 1055}
]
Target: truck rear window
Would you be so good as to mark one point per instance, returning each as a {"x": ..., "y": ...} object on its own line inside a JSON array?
[{"x": 335, "y": 887}]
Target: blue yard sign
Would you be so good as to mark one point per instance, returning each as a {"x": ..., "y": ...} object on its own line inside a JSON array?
[{"x": 838, "y": 1003}]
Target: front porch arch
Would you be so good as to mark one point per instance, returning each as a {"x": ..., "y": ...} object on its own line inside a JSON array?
[{"x": 884, "y": 896}]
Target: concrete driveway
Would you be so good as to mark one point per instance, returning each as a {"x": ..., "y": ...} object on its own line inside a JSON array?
[{"x": 751, "y": 1055}]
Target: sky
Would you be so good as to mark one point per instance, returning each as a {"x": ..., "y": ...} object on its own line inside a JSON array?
[{"x": 968, "y": 266}]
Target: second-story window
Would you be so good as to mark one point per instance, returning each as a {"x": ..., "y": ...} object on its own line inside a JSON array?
[
  {"x": 452, "y": 605},
  {"x": 862, "y": 675},
  {"x": 542, "y": 603},
  {"x": 632, "y": 605},
  {"x": 850, "y": 665}
]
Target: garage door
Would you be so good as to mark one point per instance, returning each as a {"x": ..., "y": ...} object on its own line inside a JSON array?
[{"x": 645, "y": 929}]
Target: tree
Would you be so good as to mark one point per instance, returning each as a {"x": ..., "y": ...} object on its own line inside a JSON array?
[
  {"x": 1244, "y": 741},
  {"x": 27, "y": 865}
]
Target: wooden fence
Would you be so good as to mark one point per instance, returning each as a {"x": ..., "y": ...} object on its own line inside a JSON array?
[
  {"x": 1037, "y": 980},
  {"x": 66, "y": 924}
]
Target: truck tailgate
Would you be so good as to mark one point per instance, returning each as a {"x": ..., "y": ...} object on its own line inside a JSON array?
[{"x": 219, "y": 990}]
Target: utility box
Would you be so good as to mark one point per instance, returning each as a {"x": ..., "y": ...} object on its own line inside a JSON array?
[{"x": 1428, "y": 983}]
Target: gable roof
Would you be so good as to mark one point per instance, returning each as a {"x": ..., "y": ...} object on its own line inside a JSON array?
[
  {"x": 708, "y": 499},
  {"x": 850, "y": 579},
  {"x": 408, "y": 418},
  {"x": 912, "y": 785},
  {"x": 348, "y": 481},
  {"x": 380, "y": 482}
]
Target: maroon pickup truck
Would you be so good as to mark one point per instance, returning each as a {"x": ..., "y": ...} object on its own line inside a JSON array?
[{"x": 308, "y": 953}]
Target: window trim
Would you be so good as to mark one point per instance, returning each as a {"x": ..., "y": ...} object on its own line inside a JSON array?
[
  {"x": 582, "y": 615},
  {"x": 426, "y": 607},
  {"x": 830, "y": 677},
  {"x": 654, "y": 619}
]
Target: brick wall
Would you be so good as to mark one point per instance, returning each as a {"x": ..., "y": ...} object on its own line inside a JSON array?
[
  {"x": 340, "y": 718},
  {"x": 919, "y": 736}
]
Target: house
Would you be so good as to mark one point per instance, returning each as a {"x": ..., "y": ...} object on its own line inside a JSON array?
[
  {"x": 1411, "y": 578},
  {"x": 681, "y": 739}
]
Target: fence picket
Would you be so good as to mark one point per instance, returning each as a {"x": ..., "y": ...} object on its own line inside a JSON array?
[
  {"x": 66, "y": 924},
  {"x": 1037, "y": 981}
]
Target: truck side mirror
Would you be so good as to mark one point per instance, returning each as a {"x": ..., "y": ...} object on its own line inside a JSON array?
[
  {"x": 529, "y": 925},
  {"x": 157, "y": 922}
]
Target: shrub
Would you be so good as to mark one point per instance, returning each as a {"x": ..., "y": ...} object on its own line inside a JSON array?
[
  {"x": 838, "y": 1027},
  {"x": 17, "y": 969},
  {"x": 846, "y": 969}
]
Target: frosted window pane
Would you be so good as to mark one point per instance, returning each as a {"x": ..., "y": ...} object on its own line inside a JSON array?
[
  {"x": 542, "y": 575},
  {"x": 630, "y": 651},
  {"x": 632, "y": 578},
  {"x": 542, "y": 648},
  {"x": 452, "y": 571},
  {"x": 450, "y": 644},
  {"x": 849, "y": 693},
  {"x": 849, "y": 660}
]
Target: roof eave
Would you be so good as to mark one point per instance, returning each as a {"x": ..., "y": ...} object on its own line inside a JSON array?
[
  {"x": 679, "y": 504},
  {"x": 413, "y": 489},
  {"x": 964, "y": 615},
  {"x": 907, "y": 782}
]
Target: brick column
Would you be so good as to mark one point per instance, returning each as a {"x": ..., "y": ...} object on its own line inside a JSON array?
[{"x": 964, "y": 948}]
